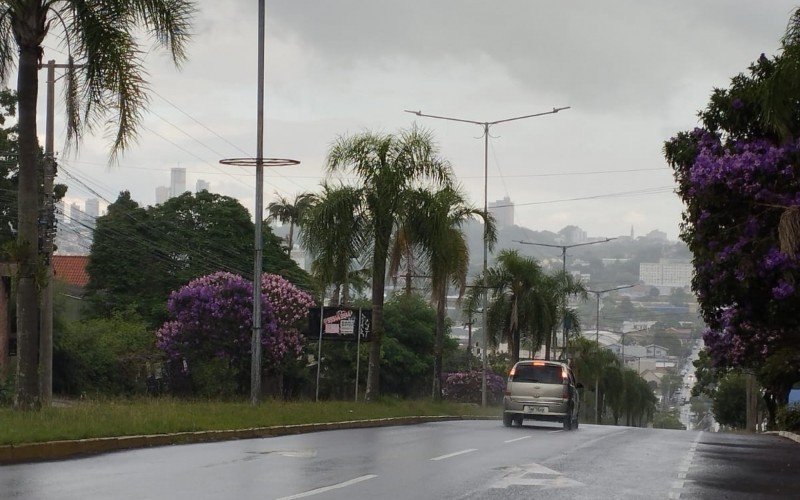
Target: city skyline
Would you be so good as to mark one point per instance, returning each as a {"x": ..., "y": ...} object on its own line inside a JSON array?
[{"x": 597, "y": 165}]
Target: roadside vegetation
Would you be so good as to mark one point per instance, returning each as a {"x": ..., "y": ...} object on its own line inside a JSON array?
[{"x": 141, "y": 416}]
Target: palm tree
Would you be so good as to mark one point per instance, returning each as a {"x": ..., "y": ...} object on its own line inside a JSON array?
[
  {"x": 285, "y": 210},
  {"x": 560, "y": 287},
  {"x": 435, "y": 224},
  {"x": 105, "y": 83},
  {"x": 332, "y": 230},
  {"x": 389, "y": 167},
  {"x": 519, "y": 304}
]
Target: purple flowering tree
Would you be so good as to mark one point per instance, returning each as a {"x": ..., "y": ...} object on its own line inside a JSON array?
[
  {"x": 211, "y": 323},
  {"x": 738, "y": 175}
]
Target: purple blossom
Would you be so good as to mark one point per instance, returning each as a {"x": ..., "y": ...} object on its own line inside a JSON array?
[{"x": 783, "y": 290}]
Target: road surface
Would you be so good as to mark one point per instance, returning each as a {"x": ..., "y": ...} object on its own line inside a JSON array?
[{"x": 457, "y": 459}]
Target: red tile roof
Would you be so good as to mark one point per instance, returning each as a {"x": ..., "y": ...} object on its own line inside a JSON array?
[{"x": 71, "y": 269}]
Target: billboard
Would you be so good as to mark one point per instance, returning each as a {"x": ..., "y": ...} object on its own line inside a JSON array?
[{"x": 340, "y": 323}]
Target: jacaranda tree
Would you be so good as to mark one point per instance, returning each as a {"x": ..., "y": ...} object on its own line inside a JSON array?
[
  {"x": 211, "y": 322},
  {"x": 738, "y": 176}
]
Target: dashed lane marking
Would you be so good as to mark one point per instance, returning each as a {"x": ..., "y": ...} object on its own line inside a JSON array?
[
  {"x": 517, "y": 439},
  {"x": 450, "y": 455},
  {"x": 324, "y": 489}
]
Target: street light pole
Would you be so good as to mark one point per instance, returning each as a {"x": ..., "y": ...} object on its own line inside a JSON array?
[
  {"x": 564, "y": 270},
  {"x": 597, "y": 341},
  {"x": 485, "y": 126}
]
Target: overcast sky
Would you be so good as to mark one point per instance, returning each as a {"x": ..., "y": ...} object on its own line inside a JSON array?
[{"x": 633, "y": 72}]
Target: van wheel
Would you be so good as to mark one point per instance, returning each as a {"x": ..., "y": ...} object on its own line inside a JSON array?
[
  {"x": 518, "y": 420},
  {"x": 567, "y": 423},
  {"x": 575, "y": 424},
  {"x": 507, "y": 419}
]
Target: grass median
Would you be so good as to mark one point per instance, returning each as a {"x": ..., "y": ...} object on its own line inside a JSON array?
[{"x": 113, "y": 418}]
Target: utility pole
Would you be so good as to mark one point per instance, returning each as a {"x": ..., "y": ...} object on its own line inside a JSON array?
[
  {"x": 564, "y": 270},
  {"x": 48, "y": 235},
  {"x": 485, "y": 291}
]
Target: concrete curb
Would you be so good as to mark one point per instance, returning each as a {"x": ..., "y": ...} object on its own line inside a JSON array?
[
  {"x": 789, "y": 435},
  {"x": 59, "y": 450}
]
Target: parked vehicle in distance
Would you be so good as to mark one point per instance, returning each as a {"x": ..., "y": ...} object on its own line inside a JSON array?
[{"x": 541, "y": 390}]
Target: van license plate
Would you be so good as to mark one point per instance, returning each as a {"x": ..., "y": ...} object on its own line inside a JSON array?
[{"x": 535, "y": 409}]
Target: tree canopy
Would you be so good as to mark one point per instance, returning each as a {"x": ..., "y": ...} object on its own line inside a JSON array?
[
  {"x": 139, "y": 255},
  {"x": 739, "y": 175}
]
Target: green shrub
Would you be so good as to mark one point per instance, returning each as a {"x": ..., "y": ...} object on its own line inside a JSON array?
[
  {"x": 789, "y": 417},
  {"x": 107, "y": 356},
  {"x": 7, "y": 390},
  {"x": 668, "y": 420}
]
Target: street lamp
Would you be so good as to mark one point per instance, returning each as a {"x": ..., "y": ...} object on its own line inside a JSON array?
[
  {"x": 485, "y": 126},
  {"x": 564, "y": 270},
  {"x": 597, "y": 341}
]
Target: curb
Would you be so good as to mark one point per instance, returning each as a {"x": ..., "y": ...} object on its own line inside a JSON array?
[
  {"x": 59, "y": 450},
  {"x": 789, "y": 435}
]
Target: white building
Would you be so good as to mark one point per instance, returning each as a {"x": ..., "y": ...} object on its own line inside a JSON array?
[
  {"x": 162, "y": 194},
  {"x": 666, "y": 273},
  {"x": 201, "y": 185},
  {"x": 503, "y": 212},
  {"x": 93, "y": 208},
  {"x": 177, "y": 182}
]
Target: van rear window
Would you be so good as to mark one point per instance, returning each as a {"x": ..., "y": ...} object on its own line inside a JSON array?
[{"x": 543, "y": 374}]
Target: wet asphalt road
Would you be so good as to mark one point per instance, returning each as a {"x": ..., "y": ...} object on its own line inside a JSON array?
[{"x": 458, "y": 459}]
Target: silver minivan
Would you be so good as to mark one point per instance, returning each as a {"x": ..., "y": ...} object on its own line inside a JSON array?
[{"x": 541, "y": 390}]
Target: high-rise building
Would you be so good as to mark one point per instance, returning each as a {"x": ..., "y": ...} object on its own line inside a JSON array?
[
  {"x": 201, "y": 186},
  {"x": 75, "y": 212},
  {"x": 92, "y": 211},
  {"x": 162, "y": 194},
  {"x": 177, "y": 184},
  {"x": 503, "y": 212},
  {"x": 93, "y": 208}
]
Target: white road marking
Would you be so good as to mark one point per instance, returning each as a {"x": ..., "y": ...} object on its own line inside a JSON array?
[
  {"x": 517, "y": 439},
  {"x": 329, "y": 488},
  {"x": 520, "y": 476},
  {"x": 449, "y": 455}
]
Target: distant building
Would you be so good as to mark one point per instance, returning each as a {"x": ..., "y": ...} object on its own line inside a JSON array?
[
  {"x": 162, "y": 194},
  {"x": 177, "y": 182},
  {"x": 666, "y": 273},
  {"x": 76, "y": 214},
  {"x": 201, "y": 185},
  {"x": 93, "y": 208},
  {"x": 503, "y": 212},
  {"x": 656, "y": 235},
  {"x": 573, "y": 235}
]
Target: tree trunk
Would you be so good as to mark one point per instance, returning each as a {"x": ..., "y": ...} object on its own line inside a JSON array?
[
  {"x": 547, "y": 342},
  {"x": 27, "y": 394},
  {"x": 5, "y": 326},
  {"x": 378, "y": 282},
  {"x": 751, "y": 388},
  {"x": 438, "y": 347},
  {"x": 291, "y": 238},
  {"x": 514, "y": 340}
]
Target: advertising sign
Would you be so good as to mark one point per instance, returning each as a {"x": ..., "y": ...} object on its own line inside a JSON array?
[{"x": 340, "y": 323}]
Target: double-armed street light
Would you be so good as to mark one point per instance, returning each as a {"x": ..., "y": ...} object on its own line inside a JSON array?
[
  {"x": 485, "y": 126},
  {"x": 564, "y": 270}
]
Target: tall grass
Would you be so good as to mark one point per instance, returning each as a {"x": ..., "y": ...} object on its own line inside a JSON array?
[{"x": 91, "y": 419}]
